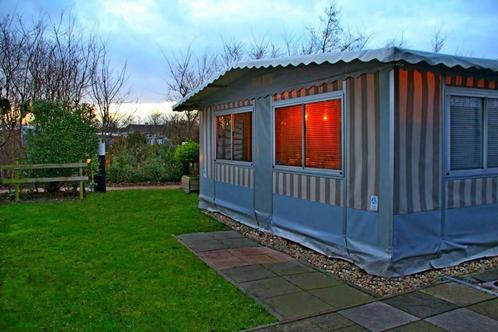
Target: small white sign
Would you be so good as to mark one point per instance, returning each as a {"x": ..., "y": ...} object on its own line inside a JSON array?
[{"x": 374, "y": 203}]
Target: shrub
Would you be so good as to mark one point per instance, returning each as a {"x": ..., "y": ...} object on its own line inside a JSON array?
[
  {"x": 61, "y": 133},
  {"x": 188, "y": 152},
  {"x": 143, "y": 163},
  {"x": 152, "y": 169},
  {"x": 188, "y": 155}
]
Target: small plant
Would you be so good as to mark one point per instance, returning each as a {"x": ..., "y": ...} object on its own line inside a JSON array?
[{"x": 188, "y": 155}]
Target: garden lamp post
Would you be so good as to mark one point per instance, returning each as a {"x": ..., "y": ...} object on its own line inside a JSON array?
[{"x": 100, "y": 177}]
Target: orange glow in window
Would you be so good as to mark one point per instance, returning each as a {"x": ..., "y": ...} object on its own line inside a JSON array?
[
  {"x": 288, "y": 135},
  {"x": 323, "y": 139}
]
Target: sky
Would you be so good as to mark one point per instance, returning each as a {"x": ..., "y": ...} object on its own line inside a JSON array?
[{"x": 137, "y": 31}]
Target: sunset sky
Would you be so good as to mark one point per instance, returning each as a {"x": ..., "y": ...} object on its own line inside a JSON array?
[{"x": 136, "y": 31}]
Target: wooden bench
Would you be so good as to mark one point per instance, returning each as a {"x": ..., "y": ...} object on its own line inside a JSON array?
[{"x": 17, "y": 180}]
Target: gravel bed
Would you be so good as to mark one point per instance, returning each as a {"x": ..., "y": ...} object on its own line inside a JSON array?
[{"x": 378, "y": 286}]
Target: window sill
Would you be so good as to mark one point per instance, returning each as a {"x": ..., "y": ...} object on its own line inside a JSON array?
[
  {"x": 476, "y": 173},
  {"x": 310, "y": 171},
  {"x": 234, "y": 162}
]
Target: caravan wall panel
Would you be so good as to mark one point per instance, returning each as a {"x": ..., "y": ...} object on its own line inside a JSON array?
[{"x": 464, "y": 225}]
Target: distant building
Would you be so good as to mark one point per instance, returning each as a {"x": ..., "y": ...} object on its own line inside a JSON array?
[{"x": 154, "y": 134}]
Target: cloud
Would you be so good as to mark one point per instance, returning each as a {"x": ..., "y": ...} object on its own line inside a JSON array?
[
  {"x": 136, "y": 30},
  {"x": 141, "y": 111}
]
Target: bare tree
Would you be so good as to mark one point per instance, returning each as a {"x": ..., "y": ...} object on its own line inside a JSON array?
[
  {"x": 17, "y": 55},
  {"x": 232, "y": 52},
  {"x": 43, "y": 60},
  {"x": 353, "y": 41},
  {"x": 156, "y": 118},
  {"x": 330, "y": 36},
  {"x": 187, "y": 73},
  {"x": 326, "y": 37},
  {"x": 259, "y": 48},
  {"x": 107, "y": 91},
  {"x": 176, "y": 129},
  {"x": 66, "y": 61},
  {"x": 275, "y": 51},
  {"x": 438, "y": 41},
  {"x": 395, "y": 42},
  {"x": 291, "y": 44}
]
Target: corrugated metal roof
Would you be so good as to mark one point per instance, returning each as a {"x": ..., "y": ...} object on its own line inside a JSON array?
[{"x": 384, "y": 55}]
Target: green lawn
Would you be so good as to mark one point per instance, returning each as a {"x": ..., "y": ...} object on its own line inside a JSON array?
[{"x": 111, "y": 262}]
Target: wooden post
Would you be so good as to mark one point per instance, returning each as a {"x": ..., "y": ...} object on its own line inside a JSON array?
[{"x": 82, "y": 189}]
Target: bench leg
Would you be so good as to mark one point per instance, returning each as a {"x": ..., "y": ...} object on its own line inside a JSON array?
[
  {"x": 18, "y": 193},
  {"x": 82, "y": 190}
]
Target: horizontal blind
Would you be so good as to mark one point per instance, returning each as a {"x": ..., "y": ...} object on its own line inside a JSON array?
[
  {"x": 323, "y": 134},
  {"x": 466, "y": 133},
  {"x": 223, "y": 137},
  {"x": 288, "y": 135},
  {"x": 242, "y": 136},
  {"x": 492, "y": 133}
]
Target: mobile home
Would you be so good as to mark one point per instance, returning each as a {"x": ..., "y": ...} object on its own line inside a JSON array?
[{"x": 386, "y": 158}]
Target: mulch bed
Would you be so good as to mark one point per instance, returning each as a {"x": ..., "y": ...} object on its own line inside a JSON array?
[
  {"x": 143, "y": 184},
  {"x": 376, "y": 285}
]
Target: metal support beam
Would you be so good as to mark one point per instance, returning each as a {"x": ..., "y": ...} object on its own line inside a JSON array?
[{"x": 386, "y": 210}]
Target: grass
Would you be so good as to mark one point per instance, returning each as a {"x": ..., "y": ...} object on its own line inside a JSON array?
[{"x": 111, "y": 262}]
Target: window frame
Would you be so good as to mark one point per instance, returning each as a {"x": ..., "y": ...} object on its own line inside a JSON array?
[
  {"x": 483, "y": 94},
  {"x": 231, "y": 111},
  {"x": 335, "y": 95}
]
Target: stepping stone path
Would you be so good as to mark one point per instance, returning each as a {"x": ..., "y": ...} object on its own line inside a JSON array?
[{"x": 306, "y": 299}]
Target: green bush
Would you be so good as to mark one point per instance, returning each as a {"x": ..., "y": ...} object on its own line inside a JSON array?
[
  {"x": 188, "y": 155},
  {"x": 133, "y": 162},
  {"x": 61, "y": 133},
  {"x": 188, "y": 152}
]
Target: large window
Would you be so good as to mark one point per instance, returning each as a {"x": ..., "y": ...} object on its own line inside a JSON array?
[
  {"x": 473, "y": 132},
  {"x": 309, "y": 135},
  {"x": 234, "y": 136}
]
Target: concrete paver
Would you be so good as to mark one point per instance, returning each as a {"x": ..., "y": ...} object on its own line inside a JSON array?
[
  {"x": 312, "y": 280},
  {"x": 307, "y": 299},
  {"x": 289, "y": 268},
  {"x": 249, "y": 273},
  {"x": 270, "y": 287},
  {"x": 418, "y": 326},
  {"x": 420, "y": 304},
  {"x": 297, "y": 305},
  {"x": 343, "y": 296},
  {"x": 378, "y": 316},
  {"x": 353, "y": 328},
  {"x": 487, "y": 308},
  {"x": 463, "y": 320},
  {"x": 331, "y": 321},
  {"x": 456, "y": 293}
]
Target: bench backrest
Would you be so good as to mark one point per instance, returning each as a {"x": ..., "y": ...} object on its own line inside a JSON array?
[
  {"x": 42, "y": 166},
  {"x": 15, "y": 179}
]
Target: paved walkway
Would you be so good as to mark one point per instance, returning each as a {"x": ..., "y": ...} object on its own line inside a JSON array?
[{"x": 305, "y": 299}]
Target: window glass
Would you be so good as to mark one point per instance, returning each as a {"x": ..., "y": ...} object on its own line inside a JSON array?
[
  {"x": 242, "y": 136},
  {"x": 223, "y": 137},
  {"x": 323, "y": 134},
  {"x": 466, "y": 133},
  {"x": 288, "y": 135},
  {"x": 492, "y": 133}
]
